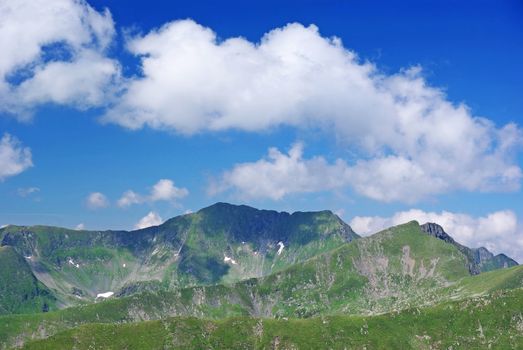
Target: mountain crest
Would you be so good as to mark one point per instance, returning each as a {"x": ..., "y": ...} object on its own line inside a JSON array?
[{"x": 479, "y": 259}]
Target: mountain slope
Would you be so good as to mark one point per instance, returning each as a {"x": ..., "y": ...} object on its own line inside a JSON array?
[
  {"x": 20, "y": 291},
  {"x": 399, "y": 268},
  {"x": 220, "y": 244},
  {"x": 479, "y": 259},
  {"x": 493, "y": 321}
]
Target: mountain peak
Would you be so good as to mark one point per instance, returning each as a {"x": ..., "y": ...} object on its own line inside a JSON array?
[
  {"x": 479, "y": 259},
  {"x": 437, "y": 231}
]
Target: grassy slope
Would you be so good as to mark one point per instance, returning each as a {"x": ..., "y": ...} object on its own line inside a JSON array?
[
  {"x": 186, "y": 250},
  {"x": 331, "y": 283},
  {"x": 20, "y": 291},
  {"x": 493, "y": 321}
]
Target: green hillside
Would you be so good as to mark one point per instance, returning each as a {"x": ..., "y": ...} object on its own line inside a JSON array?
[
  {"x": 489, "y": 322},
  {"x": 20, "y": 291}
]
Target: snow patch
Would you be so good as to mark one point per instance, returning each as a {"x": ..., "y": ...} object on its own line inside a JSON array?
[
  {"x": 104, "y": 295},
  {"x": 71, "y": 262},
  {"x": 281, "y": 246},
  {"x": 28, "y": 257},
  {"x": 227, "y": 259}
]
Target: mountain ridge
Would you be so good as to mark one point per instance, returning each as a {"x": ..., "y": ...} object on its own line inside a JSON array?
[
  {"x": 479, "y": 259},
  {"x": 396, "y": 269},
  {"x": 276, "y": 265},
  {"x": 219, "y": 243}
]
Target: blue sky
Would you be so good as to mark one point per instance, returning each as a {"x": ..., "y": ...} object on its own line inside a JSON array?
[{"x": 379, "y": 111}]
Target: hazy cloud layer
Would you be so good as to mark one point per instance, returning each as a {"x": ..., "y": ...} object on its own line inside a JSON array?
[
  {"x": 500, "y": 231},
  {"x": 27, "y": 191},
  {"x": 14, "y": 158}
]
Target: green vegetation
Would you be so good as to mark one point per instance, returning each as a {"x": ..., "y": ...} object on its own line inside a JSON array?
[
  {"x": 489, "y": 322},
  {"x": 20, "y": 291},
  {"x": 394, "y": 270},
  {"x": 237, "y": 277},
  {"x": 185, "y": 251}
]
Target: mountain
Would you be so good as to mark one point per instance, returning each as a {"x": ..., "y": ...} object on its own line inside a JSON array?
[
  {"x": 236, "y": 267},
  {"x": 222, "y": 243},
  {"x": 479, "y": 259},
  {"x": 20, "y": 291},
  {"x": 397, "y": 269}
]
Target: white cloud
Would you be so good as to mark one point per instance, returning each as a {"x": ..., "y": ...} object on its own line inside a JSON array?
[
  {"x": 80, "y": 227},
  {"x": 54, "y": 51},
  {"x": 388, "y": 178},
  {"x": 163, "y": 190},
  {"x": 340, "y": 212},
  {"x": 97, "y": 200},
  {"x": 27, "y": 191},
  {"x": 498, "y": 231},
  {"x": 410, "y": 140},
  {"x": 129, "y": 198},
  {"x": 14, "y": 158},
  {"x": 282, "y": 174},
  {"x": 151, "y": 219}
]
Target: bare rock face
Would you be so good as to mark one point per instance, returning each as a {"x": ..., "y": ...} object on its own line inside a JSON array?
[
  {"x": 437, "y": 231},
  {"x": 482, "y": 254}
]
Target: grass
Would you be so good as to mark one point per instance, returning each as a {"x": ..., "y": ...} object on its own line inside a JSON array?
[
  {"x": 489, "y": 322},
  {"x": 20, "y": 291}
]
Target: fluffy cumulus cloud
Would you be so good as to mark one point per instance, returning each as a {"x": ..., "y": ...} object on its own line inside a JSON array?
[
  {"x": 54, "y": 51},
  {"x": 281, "y": 174},
  {"x": 163, "y": 190},
  {"x": 97, "y": 200},
  {"x": 499, "y": 231},
  {"x": 386, "y": 179},
  {"x": 411, "y": 140},
  {"x": 14, "y": 158},
  {"x": 151, "y": 219},
  {"x": 129, "y": 198}
]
